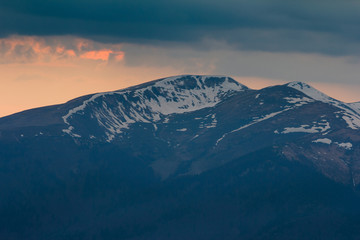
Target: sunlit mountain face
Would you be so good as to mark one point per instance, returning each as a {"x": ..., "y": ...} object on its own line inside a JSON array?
[{"x": 184, "y": 157}]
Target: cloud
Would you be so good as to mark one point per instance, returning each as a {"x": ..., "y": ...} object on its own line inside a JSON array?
[
  {"x": 112, "y": 44},
  {"x": 286, "y": 67},
  {"x": 22, "y": 49},
  {"x": 103, "y": 55},
  {"x": 327, "y": 27},
  {"x": 68, "y": 51}
]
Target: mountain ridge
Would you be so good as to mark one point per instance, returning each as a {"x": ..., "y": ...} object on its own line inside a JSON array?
[
  {"x": 198, "y": 158},
  {"x": 354, "y": 106},
  {"x": 215, "y": 110},
  {"x": 149, "y": 101}
]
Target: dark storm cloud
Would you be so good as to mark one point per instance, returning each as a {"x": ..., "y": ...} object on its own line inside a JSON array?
[{"x": 322, "y": 26}]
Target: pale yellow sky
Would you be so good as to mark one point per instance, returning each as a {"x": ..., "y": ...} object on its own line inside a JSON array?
[
  {"x": 29, "y": 86},
  {"x": 32, "y": 86},
  {"x": 36, "y": 72}
]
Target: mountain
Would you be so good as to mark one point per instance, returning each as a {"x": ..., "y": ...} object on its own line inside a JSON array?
[{"x": 185, "y": 157}]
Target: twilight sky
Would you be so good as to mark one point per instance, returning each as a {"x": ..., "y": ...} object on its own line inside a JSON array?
[{"x": 52, "y": 51}]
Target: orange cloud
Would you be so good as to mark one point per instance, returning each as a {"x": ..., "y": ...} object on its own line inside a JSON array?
[
  {"x": 70, "y": 53},
  {"x": 60, "y": 49},
  {"x": 103, "y": 55},
  {"x": 82, "y": 44},
  {"x": 97, "y": 55},
  {"x": 119, "y": 56},
  {"x": 40, "y": 50}
]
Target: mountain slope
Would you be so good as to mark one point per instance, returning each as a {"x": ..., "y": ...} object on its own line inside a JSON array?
[{"x": 183, "y": 157}]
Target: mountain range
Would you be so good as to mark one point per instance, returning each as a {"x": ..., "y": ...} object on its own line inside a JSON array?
[{"x": 184, "y": 157}]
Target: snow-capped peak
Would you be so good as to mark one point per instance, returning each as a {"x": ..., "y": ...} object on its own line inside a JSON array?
[
  {"x": 311, "y": 92},
  {"x": 147, "y": 102},
  {"x": 351, "y": 112}
]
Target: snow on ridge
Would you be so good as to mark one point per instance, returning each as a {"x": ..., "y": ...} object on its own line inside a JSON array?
[
  {"x": 70, "y": 129},
  {"x": 297, "y": 102},
  {"x": 147, "y": 103},
  {"x": 82, "y": 106},
  {"x": 268, "y": 116},
  {"x": 191, "y": 100},
  {"x": 311, "y": 92},
  {"x": 350, "y": 111},
  {"x": 352, "y": 121},
  {"x": 355, "y": 106}
]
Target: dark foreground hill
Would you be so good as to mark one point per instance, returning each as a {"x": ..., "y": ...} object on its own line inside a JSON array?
[{"x": 187, "y": 157}]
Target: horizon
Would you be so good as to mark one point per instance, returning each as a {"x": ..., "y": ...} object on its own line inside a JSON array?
[{"x": 251, "y": 83}]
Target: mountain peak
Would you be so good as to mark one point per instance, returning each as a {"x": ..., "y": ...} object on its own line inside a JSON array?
[
  {"x": 199, "y": 81},
  {"x": 191, "y": 81},
  {"x": 298, "y": 84},
  {"x": 148, "y": 102},
  {"x": 310, "y": 91},
  {"x": 351, "y": 111}
]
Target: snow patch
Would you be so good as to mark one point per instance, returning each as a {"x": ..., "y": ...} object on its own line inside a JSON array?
[
  {"x": 182, "y": 130},
  {"x": 320, "y": 127},
  {"x": 196, "y": 136},
  {"x": 212, "y": 124},
  {"x": 298, "y": 101},
  {"x": 323, "y": 140},
  {"x": 347, "y": 145}
]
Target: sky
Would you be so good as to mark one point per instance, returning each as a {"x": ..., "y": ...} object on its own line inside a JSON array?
[{"x": 53, "y": 51}]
